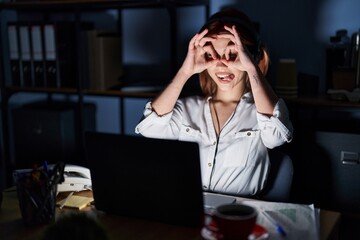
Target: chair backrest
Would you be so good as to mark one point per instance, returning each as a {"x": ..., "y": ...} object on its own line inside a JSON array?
[{"x": 279, "y": 182}]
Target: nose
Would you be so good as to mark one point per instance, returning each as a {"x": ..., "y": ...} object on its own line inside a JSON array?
[{"x": 220, "y": 64}]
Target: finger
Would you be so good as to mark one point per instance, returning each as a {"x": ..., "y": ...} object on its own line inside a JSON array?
[
  {"x": 203, "y": 33},
  {"x": 210, "y": 49},
  {"x": 232, "y": 49},
  {"x": 200, "y": 36},
  {"x": 211, "y": 63},
  {"x": 237, "y": 37},
  {"x": 205, "y": 40},
  {"x": 192, "y": 42},
  {"x": 230, "y": 29},
  {"x": 233, "y": 31},
  {"x": 231, "y": 37},
  {"x": 225, "y": 62},
  {"x": 228, "y": 52}
]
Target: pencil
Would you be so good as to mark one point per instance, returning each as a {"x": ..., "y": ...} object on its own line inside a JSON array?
[{"x": 66, "y": 199}]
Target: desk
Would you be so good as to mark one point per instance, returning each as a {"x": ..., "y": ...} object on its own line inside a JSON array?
[
  {"x": 118, "y": 227},
  {"x": 322, "y": 113},
  {"x": 322, "y": 102}
]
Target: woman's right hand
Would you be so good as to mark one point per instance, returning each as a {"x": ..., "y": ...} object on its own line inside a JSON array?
[{"x": 200, "y": 55}]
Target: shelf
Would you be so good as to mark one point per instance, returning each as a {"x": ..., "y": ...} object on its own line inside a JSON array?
[
  {"x": 121, "y": 93},
  {"x": 34, "y": 89},
  {"x": 321, "y": 102},
  {"x": 133, "y": 93},
  {"x": 46, "y": 8},
  {"x": 323, "y": 114},
  {"x": 97, "y": 4},
  {"x": 139, "y": 94}
]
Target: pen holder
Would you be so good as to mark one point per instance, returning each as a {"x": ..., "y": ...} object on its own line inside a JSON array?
[{"x": 36, "y": 190}]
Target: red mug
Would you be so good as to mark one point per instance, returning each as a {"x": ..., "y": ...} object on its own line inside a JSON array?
[{"x": 231, "y": 221}]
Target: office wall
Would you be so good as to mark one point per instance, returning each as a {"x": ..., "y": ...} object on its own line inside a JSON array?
[
  {"x": 291, "y": 29},
  {"x": 301, "y": 29}
]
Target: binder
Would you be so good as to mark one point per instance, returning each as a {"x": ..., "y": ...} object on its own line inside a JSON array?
[
  {"x": 61, "y": 56},
  {"x": 51, "y": 64},
  {"x": 25, "y": 55},
  {"x": 38, "y": 65},
  {"x": 105, "y": 61},
  {"x": 14, "y": 54}
]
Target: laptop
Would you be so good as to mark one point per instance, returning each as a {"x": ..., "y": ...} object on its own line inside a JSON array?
[{"x": 153, "y": 179}]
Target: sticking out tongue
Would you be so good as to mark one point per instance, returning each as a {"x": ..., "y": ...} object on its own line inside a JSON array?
[{"x": 226, "y": 77}]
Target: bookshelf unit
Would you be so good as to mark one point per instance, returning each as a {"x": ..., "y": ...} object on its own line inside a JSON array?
[{"x": 45, "y": 9}]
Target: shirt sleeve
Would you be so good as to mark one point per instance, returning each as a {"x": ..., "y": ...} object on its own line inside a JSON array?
[
  {"x": 153, "y": 125},
  {"x": 276, "y": 129}
]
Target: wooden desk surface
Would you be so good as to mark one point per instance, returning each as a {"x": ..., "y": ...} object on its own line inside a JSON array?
[{"x": 117, "y": 227}]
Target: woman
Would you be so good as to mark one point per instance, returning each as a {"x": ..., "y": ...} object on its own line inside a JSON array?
[{"x": 238, "y": 117}]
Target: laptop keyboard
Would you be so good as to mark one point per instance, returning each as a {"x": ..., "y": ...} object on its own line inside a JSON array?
[{"x": 212, "y": 200}]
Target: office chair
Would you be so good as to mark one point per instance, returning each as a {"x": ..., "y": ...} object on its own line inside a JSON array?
[{"x": 278, "y": 186}]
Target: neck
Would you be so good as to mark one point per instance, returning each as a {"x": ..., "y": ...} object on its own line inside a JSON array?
[
  {"x": 222, "y": 110},
  {"x": 226, "y": 97}
]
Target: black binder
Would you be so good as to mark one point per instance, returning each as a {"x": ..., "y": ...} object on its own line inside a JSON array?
[{"x": 61, "y": 53}]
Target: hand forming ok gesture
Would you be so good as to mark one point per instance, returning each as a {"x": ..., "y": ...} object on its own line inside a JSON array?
[
  {"x": 196, "y": 61},
  {"x": 243, "y": 60}
]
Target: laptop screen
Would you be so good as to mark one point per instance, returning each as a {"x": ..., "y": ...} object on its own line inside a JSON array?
[{"x": 147, "y": 178}]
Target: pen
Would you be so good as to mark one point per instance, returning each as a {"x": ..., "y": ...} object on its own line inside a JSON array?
[
  {"x": 279, "y": 228},
  {"x": 46, "y": 168},
  {"x": 66, "y": 199}
]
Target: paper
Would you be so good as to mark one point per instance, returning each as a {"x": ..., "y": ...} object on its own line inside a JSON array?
[
  {"x": 298, "y": 221},
  {"x": 78, "y": 202}
]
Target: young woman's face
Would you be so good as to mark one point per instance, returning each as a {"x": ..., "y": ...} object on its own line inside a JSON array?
[{"x": 225, "y": 77}]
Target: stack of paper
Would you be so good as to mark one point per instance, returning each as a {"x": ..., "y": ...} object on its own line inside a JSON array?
[
  {"x": 78, "y": 202},
  {"x": 296, "y": 220}
]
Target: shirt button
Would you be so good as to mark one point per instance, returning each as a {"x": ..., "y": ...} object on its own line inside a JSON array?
[
  {"x": 187, "y": 129},
  {"x": 249, "y": 134},
  {"x": 209, "y": 164},
  {"x": 205, "y": 187},
  {"x": 214, "y": 143}
]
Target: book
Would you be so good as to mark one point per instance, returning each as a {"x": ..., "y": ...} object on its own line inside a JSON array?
[
  {"x": 105, "y": 61},
  {"x": 51, "y": 65},
  {"x": 14, "y": 54},
  {"x": 25, "y": 55},
  {"x": 74, "y": 201},
  {"x": 37, "y": 55}
]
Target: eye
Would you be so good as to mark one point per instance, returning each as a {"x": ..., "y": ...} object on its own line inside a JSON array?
[
  {"x": 208, "y": 56},
  {"x": 232, "y": 56}
]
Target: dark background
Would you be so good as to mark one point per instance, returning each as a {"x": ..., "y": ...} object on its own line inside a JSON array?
[{"x": 290, "y": 29}]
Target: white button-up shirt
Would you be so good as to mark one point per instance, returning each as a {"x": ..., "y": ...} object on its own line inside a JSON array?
[{"x": 236, "y": 163}]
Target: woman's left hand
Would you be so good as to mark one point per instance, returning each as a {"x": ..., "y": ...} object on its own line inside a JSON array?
[{"x": 243, "y": 60}]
